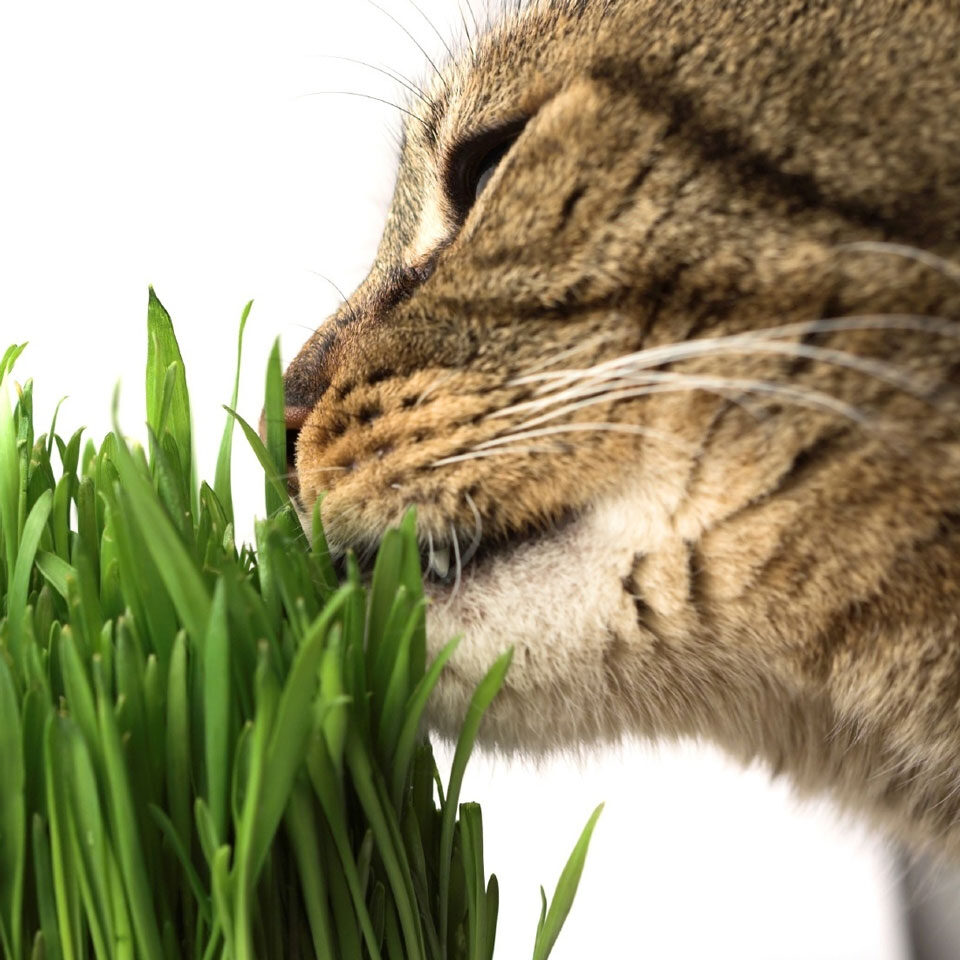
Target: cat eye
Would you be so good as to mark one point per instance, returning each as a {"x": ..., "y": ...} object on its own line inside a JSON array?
[{"x": 475, "y": 162}]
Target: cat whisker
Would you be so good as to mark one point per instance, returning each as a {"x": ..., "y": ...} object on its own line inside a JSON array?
[
  {"x": 722, "y": 386},
  {"x": 416, "y": 42},
  {"x": 670, "y": 353},
  {"x": 458, "y": 567},
  {"x": 473, "y": 17},
  {"x": 385, "y": 71},
  {"x": 434, "y": 385},
  {"x": 365, "y": 96},
  {"x": 623, "y": 389},
  {"x": 947, "y": 267},
  {"x": 481, "y": 454},
  {"x": 466, "y": 32},
  {"x": 433, "y": 27},
  {"x": 590, "y": 344},
  {"x": 510, "y": 439},
  {"x": 477, "y": 529},
  {"x": 649, "y": 380}
]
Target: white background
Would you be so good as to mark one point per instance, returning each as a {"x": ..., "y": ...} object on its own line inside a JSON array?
[{"x": 188, "y": 145}]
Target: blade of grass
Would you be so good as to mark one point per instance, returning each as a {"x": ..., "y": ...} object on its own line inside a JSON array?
[
  {"x": 407, "y": 740},
  {"x": 162, "y": 351},
  {"x": 302, "y": 830},
  {"x": 216, "y": 710},
  {"x": 276, "y": 429},
  {"x": 131, "y": 860},
  {"x": 549, "y": 928},
  {"x": 9, "y": 482},
  {"x": 222, "y": 482},
  {"x": 388, "y": 844},
  {"x": 46, "y": 902},
  {"x": 20, "y": 582},
  {"x": 274, "y": 478},
  {"x": 483, "y": 696},
  {"x": 175, "y": 565},
  {"x": 13, "y": 817}
]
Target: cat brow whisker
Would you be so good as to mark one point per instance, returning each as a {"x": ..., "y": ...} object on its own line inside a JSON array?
[
  {"x": 466, "y": 32},
  {"x": 947, "y": 267},
  {"x": 473, "y": 17},
  {"x": 386, "y": 71},
  {"x": 427, "y": 57},
  {"x": 365, "y": 96},
  {"x": 433, "y": 27}
]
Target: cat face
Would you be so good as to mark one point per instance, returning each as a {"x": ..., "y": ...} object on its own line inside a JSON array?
[{"x": 659, "y": 343}]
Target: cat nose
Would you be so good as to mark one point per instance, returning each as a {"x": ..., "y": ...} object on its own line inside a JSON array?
[{"x": 294, "y": 416}]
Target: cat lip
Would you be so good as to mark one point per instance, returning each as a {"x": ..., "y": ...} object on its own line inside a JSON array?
[
  {"x": 440, "y": 567},
  {"x": 439, "y": 564}
]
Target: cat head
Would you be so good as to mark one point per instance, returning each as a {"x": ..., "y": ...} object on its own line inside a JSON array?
[{"x": 659, "y": 341}]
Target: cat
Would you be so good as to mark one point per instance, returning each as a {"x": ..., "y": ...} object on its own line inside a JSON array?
[{"x": 661, "y": 342}]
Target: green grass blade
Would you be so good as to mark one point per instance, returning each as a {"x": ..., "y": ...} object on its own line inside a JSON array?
[
  {"x": 326, "y": 786},
  {"x": 20, "y": 582},
  {"x": 46, "y": 901},
  {"x": 90, "y": 850},
  {"x": 483, "y": 696},
  {"x": 13, "y": 816},
  {"x": 183, "y": 857},
  {"x": 216, "y": 710},
  {"x": 407, "y": 740},
  {"x": 222, "y": 484},
  {"x": 493, "y": 911},
  {"x": 130, "y": 856},
  {"x": 550, "y": 925},
  {"x": 276, "y": 429},
  {"x": 162, "y": 351},
  {"x": 56, "y": 571},
  {"x": 274, "y": 477},
  {"x": 65, "y": 892},
  {"x": 389, "y": 846},
  {"x": 9, "y": 483},
  {"x": 301, "y": 827},
  {"x": 288, "y": 738},
  {"x": 176, "y": 567}
]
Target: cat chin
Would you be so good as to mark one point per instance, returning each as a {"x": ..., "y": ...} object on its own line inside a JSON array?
[{"x": 557, "y": 600}]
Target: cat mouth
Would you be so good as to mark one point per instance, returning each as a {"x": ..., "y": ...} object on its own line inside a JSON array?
[{"x": 449, "y": 565}]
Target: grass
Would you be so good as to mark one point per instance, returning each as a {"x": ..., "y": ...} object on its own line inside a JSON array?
[{"x": 209, "y": 750}]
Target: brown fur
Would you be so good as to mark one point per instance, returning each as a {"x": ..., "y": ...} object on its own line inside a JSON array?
[{"x": 759, "y": 568}]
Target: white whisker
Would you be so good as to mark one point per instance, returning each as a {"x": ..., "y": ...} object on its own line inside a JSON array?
[
  {"x": 669, "y": 353},
  {"x": 590, "y": 343},
  {"x": 477, "y": 529},
  {"x": 437, "y": 382},
  {"x": 947, "y": 267},
  {"x": 630, "y": 428},
  {"x": 480, "y": 454},
  {"x": 458, "y": 566}
]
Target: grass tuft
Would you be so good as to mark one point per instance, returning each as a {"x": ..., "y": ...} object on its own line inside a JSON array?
[{"x": 212, "y": 751}]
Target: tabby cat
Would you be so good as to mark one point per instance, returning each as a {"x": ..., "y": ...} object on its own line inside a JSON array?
[{"x": 661, "y": 341}]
